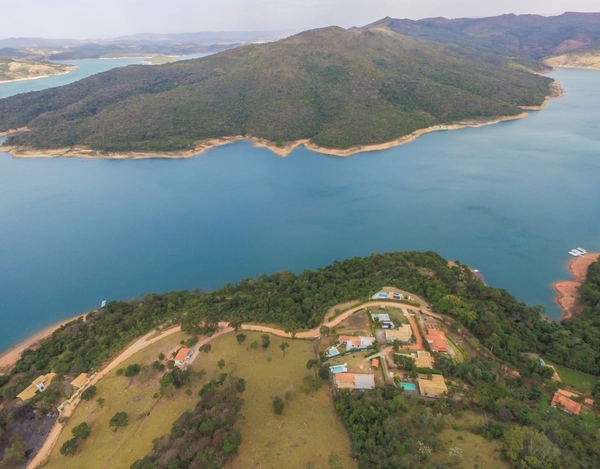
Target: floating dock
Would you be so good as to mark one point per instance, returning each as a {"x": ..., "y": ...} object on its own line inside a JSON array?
[{"x": 577, "y": 252}]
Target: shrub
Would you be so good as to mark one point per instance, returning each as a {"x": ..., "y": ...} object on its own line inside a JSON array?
[
  {"x": 89, "y": 393},
  {"x": 278, "y": 405},
  {"x": 132, "y": 370}
]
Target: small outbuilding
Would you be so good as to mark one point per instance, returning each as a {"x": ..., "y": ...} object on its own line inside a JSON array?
[
  {"x": 80, "y": 380},
  {"x": 37, "y": 385},
  {"x": 183, "y": 355}
]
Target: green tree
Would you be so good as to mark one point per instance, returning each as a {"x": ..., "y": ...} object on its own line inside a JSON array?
[
  {"x": 240, "y": 338},
  {"x": 69, "y": 447},
  {"x": 528, "y": 448},
  {"x": 324, "y": 331},
  {"x": 205, "y": 348},
  {"x": 236, "y": 323},
  {"x": 132, "y": 370},
  {"x": 100, "y": 402},
  {"x": 313, "y": 365},
  {"x": 161, "y": 356},
  {"x": 265, "y": 341},
  {"x": 120, "y": 419},
  {"x": 283, "y": 346},
  {"x": 254, "y": 345},
  {"x": 278, "y": 405},
  {"x": 221, "y": 364},
  {"x": 89, "y": 393},
  {"x": 81, "y": 431}
]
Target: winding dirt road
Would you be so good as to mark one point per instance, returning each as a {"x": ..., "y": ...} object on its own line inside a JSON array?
[{"x": 152, "y": 337}]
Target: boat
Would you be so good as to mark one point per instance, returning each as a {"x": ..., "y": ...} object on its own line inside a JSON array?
[
  {"x": 575, "y": 253},
  {"x": 103, "y": 304},
  {"x": 583, "y": 251}
]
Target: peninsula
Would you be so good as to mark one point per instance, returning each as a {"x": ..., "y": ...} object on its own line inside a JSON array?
[
  {"x": 15, "y": 69},
  {"x": 337, "y": 91},
  {"x": 406, "y": 345}
]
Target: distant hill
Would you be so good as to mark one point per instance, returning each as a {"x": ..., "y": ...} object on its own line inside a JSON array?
[
  {"x": 528, "y": 37},
  {"x": 12, "y": 69},
  {"x": 334, "y": 87}
]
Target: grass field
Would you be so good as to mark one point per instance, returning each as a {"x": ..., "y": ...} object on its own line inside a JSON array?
[
  {"x": 576, "y": 379},
  {"x": 308, "y": 431},
  {"x": 476, "y": 450},
  {"x": 108, "y": 449}
]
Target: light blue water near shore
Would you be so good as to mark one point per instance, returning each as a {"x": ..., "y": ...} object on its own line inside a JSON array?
[{"x": 510, "y": 199}]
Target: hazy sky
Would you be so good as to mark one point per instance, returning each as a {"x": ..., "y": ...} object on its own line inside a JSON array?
[{"x": 110, "y": 18}]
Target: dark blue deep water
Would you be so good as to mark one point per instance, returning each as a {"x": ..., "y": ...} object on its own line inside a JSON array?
[{"x": 510, "y": 199}]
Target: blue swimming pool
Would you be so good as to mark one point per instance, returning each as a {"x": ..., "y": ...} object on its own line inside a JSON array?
[
  {"x": 408, "y": 386},
  {"x": 338, "y": 368}
]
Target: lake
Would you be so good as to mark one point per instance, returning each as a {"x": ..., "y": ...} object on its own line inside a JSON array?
[{"x": 509, "y": 199}]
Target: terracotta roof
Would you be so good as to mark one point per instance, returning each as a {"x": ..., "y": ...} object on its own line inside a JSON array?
[
  {"x": 345, "y": 338},
  {"x": 375, "y": 362},
  {"x": 182, "y": 354},
  {"x": 344, "y": 377},
  {"x": 80, "y": 380},
  {"x": 570, "y": 406},
  {"x": 437, "y": 340}
]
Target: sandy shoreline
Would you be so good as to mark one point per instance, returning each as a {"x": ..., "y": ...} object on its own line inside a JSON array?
[
  {"x": 71, "y": 68},
  {"x": 280, "y": 150},
  {"x": 13, "y": 131},
  {"x": 12, "y": 355},
  {"x": 567, "y": 291}
]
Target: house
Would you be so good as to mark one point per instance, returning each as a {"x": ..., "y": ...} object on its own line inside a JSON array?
[
  {"x": 570, "y": 406},
  {"x": 403, "y": 334},
  {"x": 37, "y": 385},
  {"x": 375, "y": 363},
  {"x": 434, "y": 387},
  {"x": 356, "y": 342},
  {"x": 80, "y": 380},
  {"x": 436, "y": 338},
  {"x": 354, "y": 381},
  {"x": 424, "y": 359},
  {"x": 384, "y": 319},
  {"x": 183, "y": 355}
]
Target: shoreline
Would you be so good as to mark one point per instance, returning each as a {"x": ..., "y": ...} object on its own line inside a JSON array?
[
  {"x": 71, "y": 68},
  {"x": 567, "y": 294},
  {"x": 9, "y": 357},
  {"x": 280, "y": 150}
]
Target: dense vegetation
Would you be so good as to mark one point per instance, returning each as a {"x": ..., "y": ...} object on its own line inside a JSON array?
[
  {"x": 335, "y": 87},
  {"x": 389, "y": 430},
  {"x": 502, "y": 324},
  {"x": 204, "y": 438}
]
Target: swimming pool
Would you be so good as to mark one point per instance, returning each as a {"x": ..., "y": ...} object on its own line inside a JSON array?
[
  {"x": 338, "y": 368},
  {"x": 408, "y": 386},
  {"x": 542, "y": 362}
]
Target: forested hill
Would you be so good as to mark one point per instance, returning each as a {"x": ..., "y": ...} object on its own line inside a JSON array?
[
  {"x": 335, "y": 87},
  {"x": 528, "y": 37}
]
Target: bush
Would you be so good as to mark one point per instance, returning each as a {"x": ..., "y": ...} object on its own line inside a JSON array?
[
  {"x": 191, "y": 341},
  {"x": 120, "y": 419},
  {"x": 161, "y": 356},
  {"x": 89, "y": 393},
  {"x": 81, "y": 431},
  {"x": 278, "y": 405},
  {"x": 132, "y": 370},
  {"x": 69, "y": 447}
]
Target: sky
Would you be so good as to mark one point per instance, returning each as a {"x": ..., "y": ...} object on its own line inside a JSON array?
[{"x": 84, "y": 19}]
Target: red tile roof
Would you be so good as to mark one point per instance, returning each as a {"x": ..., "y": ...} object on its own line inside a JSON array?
[
  {"x": 570, "y": 406},
  {"x": 182, "y": 354},
  {"x": 437, "y": 340}
]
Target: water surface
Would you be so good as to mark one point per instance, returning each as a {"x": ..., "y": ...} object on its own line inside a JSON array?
[{"x": 510, "y": 199}]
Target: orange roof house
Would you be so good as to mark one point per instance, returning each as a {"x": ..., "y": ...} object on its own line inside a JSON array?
[
  {"x": 375, "y": 363},
  {"x": 183, "y": 355},
  {"x": 80, "y": 380},
  {"x": 571, "y": 407},
  {"x": 437, "y": 340}
]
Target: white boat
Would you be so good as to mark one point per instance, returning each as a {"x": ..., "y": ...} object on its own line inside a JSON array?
[
  {"x": 574, "y": 253},
  {"x": 103, "y": 304},
  {"x": 583, "y": 251}
]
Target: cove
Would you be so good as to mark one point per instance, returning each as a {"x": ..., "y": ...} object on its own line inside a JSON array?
[{"x": 509, "y": 199}]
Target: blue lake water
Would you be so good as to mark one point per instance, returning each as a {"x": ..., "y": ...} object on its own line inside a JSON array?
[{"x": 509, "y": 199}]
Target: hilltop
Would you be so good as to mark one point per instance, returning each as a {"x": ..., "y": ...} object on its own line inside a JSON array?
[
  {"x": 16, "y": 69},
  {"x": 331, "y": 87}
]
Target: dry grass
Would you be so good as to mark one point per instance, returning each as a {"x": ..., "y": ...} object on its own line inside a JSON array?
[
  {"x": 307, "y": 431},
  {"x": 476, "y": 450},
  {"x": 108, "y": 449}
]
